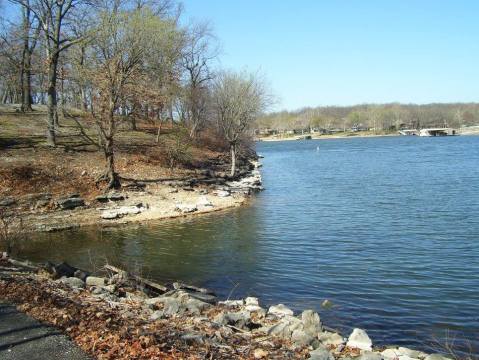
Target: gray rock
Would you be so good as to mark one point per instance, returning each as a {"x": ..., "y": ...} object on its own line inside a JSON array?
[
  {"x": 411, "y": 353},
  {"x": 95, "y": 281},
  {"x": 157, "y": 315},
  {"x": 8, "y": 201},
  {"x": 280, "y": 310},
  {"x": 222, "y": 193},
  {"x": 330, "y": 338},
  {"x": 239, "y": 319},
  {"x": 320, "y": 354},
  {"x": 231, "y": 303},
  {"x": 301, "y": 337},
  {"x": 311, "y": 322},
  {"x": 110, "y": 197},
  {"x": 436, "y": 357},
  {"x": 208, "y": 298},
  {"x": 390, "y": 354},
  {"x": 70, "y": 203},
  {"x": 155, "y": 300},
  {"x": 359, "y": 339},
  {"x": 193, "y": 338},
  {"x": 196, "y": 306},
  {"x": 251, "y": 301},
  {"x": 73, "y": 282},
  {"x": 204, "y": 202},
  {"x": 186, "y": 208},
  {"x": 369, "y": 355},
  {"x": 171, "y": 306},
  {"x": 120, "y": 212},
  {"x": 281, "y": 330}
]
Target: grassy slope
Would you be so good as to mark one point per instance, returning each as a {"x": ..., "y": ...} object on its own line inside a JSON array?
[{"x": 28, "y": 166}]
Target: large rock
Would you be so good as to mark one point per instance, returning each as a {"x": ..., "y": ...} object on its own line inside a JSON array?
[
  {"x": 436, "y": 357},
  {"x": 110, "y": 197},
  {"x": 311, "y": 322},
  {"x": 95, "y": 281},
  {"x": 301, "y": 337},
  {"x": 359, "y": 339},
  {"x": 390, "y": 354},
  {"x": 369, "y": 355},
  {"x": 329, "y": 338},
  {"x": 196, "y": 306},
  {"x": 172, "y": 306},
  {"x": 321, "y": 354},
  {"x": 70, "y": 203},
  {"x": 280, "y": 310},
  {"x": 232, "y": 303},
  {"x": 73, "y": 282},
  {"x": 403, "y": 351},
  {"x": 285, "y": 327},
  {"x": 251, "y": 301},
  {"x": 241, "y": 319},
  {"x": 120, "y": 212}
]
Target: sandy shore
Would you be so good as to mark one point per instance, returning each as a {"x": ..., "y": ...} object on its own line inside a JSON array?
[{"x": 154, "y": 202}]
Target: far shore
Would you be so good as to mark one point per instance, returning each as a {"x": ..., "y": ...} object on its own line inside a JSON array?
[{"x": 472, "y": 130}]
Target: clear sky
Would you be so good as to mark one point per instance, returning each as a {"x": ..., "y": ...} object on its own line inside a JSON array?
[{"x": 342, "y": 52}]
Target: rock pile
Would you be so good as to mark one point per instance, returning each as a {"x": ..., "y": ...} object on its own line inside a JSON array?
[{"x": 204, "y": 321}]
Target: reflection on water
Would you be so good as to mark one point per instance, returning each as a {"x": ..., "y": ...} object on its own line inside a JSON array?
[{"x": 386, "y": 228}]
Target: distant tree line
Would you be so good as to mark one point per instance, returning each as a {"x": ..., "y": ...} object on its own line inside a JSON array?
[
  {"x": 123, "y": 61},
  {"x": 376, "y": 117}
]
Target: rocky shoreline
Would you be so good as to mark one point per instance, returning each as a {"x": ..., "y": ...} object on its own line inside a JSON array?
[
  {"x": 176, "y": 320},
  {"x": 137, "y": 202}
]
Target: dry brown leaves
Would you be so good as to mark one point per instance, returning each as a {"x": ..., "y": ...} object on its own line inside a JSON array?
[{"x": 105, "y": 334}]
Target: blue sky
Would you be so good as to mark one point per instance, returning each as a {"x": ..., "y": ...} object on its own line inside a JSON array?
[{"x": 342, "y": 52}]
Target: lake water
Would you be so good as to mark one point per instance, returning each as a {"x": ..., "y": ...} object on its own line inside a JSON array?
[{"x": 386, "y": 228}]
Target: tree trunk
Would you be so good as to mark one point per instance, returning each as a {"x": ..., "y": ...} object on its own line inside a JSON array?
[
  {"x": 27, "y": 83},
  {"x": 52, "y": 101},
  {"x": 233, "y": 159},
  {"x": 111, "y": 176}
]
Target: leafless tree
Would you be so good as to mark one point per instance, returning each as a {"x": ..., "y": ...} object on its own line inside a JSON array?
[
  {"x": 238, "y": 99},
  {"x": 199, "y": 53},
  {"x": 53, "y": 16}
]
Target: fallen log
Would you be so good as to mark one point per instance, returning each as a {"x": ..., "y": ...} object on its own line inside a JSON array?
[{"x": 151, "y": 285}]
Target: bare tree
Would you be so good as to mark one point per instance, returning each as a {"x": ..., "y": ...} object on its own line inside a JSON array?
[
  {"x": 30, "y": 33},
  {"x": 238, "y": 98},
  {"x": 123, "y": 43},
  {"x": 53, "y": 15},
  {"x": 199, "y": 52}
]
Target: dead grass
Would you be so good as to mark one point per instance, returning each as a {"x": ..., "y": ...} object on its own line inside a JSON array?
[{"x": 27, "y": 165}]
